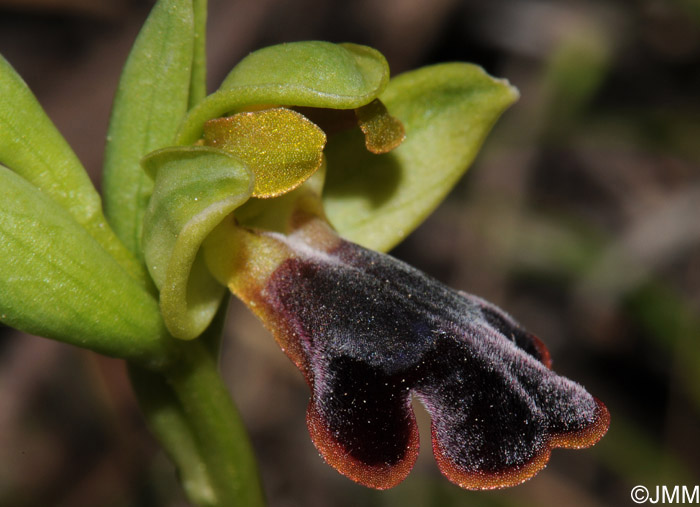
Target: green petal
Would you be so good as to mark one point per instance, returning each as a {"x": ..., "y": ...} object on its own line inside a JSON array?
[
  {"x": 447, "y": 110},
  {"x": 311, "y": 73},
  {"x": 383, "y": 133},
  {"x": 32, "y": 147},
  {"x": 151, "y": 101},
  {"x": 56, "y": 281},
  {"x": 280, "y": 146},
  {"x": 195, "y": 188}
]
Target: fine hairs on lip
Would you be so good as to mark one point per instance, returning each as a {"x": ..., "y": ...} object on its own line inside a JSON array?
[{"x": 374, "y": 331}]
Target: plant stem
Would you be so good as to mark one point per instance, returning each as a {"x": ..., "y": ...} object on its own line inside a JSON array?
[
  {"x": 168, "y": 422},
  {"x": 192, "y": 415},
  {"x": 219, "y": 433}
]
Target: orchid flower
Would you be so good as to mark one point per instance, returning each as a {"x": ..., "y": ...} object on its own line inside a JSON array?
[
  {"x": 367, "y": 331},
  {"x": 285, "y": 188}
]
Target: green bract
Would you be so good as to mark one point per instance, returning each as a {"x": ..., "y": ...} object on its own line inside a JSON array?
[
  {"x": 31, "y": 146},
  {"x": 151, "y": 100},
  {"x": 57, "y": 281}
]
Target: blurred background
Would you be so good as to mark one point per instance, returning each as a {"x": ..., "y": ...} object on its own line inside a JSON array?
[{"x": 581, "y": 217}]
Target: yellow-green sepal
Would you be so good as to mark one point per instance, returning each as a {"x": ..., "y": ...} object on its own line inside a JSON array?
[
  {"x": 447, "y": 111},
  {"x": 308, "y": 73}
]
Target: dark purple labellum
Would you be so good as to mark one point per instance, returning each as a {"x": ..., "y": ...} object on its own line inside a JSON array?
[{"x": 369, "y": 332}]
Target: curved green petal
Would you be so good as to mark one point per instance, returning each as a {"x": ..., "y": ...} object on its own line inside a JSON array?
[
  {"x": 32, "y": 147},
  {"x": 447, "y": 110},
  {"x": 56, "y": 281},
  {"x": 310, "y": 73},
  {"x": 150, "y": 103},
  {"x": 195, "y": 188}
]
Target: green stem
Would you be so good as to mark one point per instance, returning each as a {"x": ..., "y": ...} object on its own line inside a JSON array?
[
  {"x": 167, "y": 421},
  {"x": 189, "y": 429},
  {"x": 218, "y": 431}
]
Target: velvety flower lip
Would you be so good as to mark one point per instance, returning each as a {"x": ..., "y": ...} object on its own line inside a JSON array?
[{"x": 370, "y": 332}]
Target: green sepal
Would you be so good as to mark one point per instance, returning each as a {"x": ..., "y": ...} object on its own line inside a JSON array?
[
  {"x": 447, "y": 111},
  {"x": 310, "y": 73},
  {"x": 56, "y": 281},
  {"x": 151, "y": 100},
  {"x": 32, "y": 147},
  {"x": 195, "y": 188}
]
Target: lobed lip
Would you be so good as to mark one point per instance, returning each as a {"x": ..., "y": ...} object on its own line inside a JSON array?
[
  {"x": 370, "y": 332},
  {"x": 514, "y": 475}
]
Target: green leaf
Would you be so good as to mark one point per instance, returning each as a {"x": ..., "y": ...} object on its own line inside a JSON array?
[
  {"x": 32, "y": 147},
  {"x": 311, "y": 73},
  {"x": 198, "y": 83},
  {"x": 56, "y": 281},
  {"x": 151, "y": 101},
  {"x": 195, "y": 188},
  {"x": 447, "y": 111}
]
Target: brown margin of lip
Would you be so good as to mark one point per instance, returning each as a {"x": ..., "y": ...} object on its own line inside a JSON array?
[
  {"x": 382, "y": 476},
  {"x": 543, "y": 350},
  {"x": 479, "y": 480}
]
